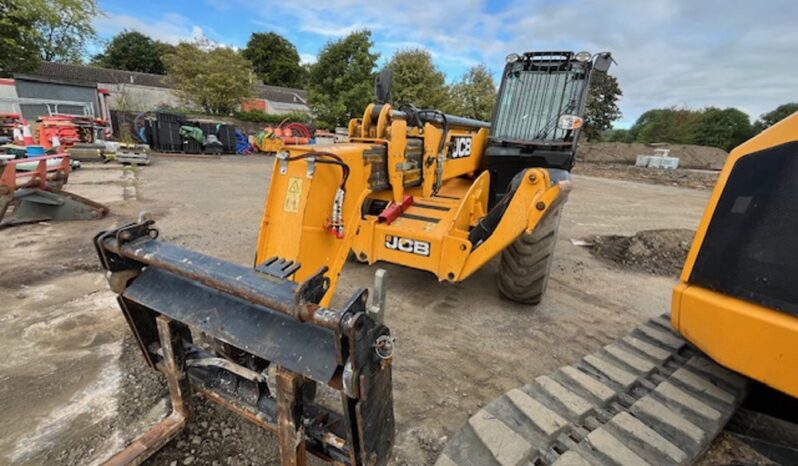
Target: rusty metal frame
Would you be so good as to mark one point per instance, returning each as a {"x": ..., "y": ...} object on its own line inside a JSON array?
[
  {"x": 145, "y": 445},
  {"x": 46, "y": 181},
  {"x": 290, "y": 432},
  {"x": 165, "y": 290},
  {"x": 38, "y": 178}
]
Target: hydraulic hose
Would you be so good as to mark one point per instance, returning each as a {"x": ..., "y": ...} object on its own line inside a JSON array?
[{"x": 336, "y": 225}]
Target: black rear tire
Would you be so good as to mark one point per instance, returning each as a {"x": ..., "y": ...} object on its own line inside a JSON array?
[{"x": 525, "y": 264}]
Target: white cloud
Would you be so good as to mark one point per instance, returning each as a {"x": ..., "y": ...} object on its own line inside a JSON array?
[
  {"x": 171, "y": 28},
  {"x": 269, "y": 25},
  {"x": 307, "y": 58},
  {"x": 324, "y": 29},
  {"x": 683, "y": 53}
]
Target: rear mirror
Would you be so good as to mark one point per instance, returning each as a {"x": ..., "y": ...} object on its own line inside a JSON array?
[
  {"x": 602, "y": 61},
  {"x": 382, "y": 86}
]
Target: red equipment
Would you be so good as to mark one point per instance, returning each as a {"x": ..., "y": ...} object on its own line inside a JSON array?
[
  {"x": 41, "y": 197},
  {"x": 273, "y": 140},
  {"x": 297, "y": 129},
  {"x": 393, "y": 211},
  {"x": 69, "y": 129}
]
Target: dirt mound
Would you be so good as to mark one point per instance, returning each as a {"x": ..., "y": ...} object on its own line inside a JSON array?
[
  {"x": 659, "y": 252},
  {"x": 690, "y": 156},
  {"x": 694, "y": 179}
]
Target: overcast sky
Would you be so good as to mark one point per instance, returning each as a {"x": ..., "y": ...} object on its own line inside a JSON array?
[{"x": 694, "y": 53}]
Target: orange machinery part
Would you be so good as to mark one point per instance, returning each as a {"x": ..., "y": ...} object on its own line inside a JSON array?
[{"x": 10, "y": 175}]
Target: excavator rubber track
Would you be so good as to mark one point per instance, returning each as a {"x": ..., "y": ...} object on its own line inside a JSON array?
[{"x": 648, "y": 398}]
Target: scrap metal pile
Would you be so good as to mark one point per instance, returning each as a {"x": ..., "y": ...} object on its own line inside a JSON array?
[{"x": 68, "y": 130}]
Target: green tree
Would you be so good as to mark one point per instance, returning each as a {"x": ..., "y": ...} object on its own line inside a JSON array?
[
  {"x": 18, "y": 38},
  {"x": 602, "y": 105},
  {"x": 724, "y": 129},
  {"x": 340, "y": 82},
  {"x": 133, "y": 51},
  {"x": 474, "y": 96},
  {"x": 64, "y": 28},
  {"x": 274, "y": 59},
  {"x": 416, "y": 80},
  {"x": 216, "y": 80},
  {"x": 617, "y": 135},
  {"x": 674, "y": 125},
  {"x": 774, "y": 116}
]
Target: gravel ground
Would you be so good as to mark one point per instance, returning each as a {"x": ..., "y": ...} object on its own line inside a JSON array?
[
  {"x": 77, "y": 388},
  {"x": 217, "y": 437}
]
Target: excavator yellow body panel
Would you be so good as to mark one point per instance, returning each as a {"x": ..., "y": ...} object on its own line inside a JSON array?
[{"x": 737, "y": 299}]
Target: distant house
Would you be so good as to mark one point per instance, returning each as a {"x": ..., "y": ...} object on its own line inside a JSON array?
[
  {"x": 125, "y": 90},
  {"x": 276, "y": 100}
]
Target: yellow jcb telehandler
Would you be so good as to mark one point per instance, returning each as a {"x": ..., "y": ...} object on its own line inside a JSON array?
[
  {"x": 438, "y": 192},
  {"x": 415, "y": 187}
]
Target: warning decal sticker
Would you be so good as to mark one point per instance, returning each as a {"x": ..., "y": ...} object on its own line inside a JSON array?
[{"x": 293, "y": 195}]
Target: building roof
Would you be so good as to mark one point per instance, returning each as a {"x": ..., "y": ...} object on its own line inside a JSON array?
[
  {"x": 284, "y": 95},
  {"x": 86, "y": 74},
  {"x": 95, "y": 74},
  {"x": 283, "y": 107}
]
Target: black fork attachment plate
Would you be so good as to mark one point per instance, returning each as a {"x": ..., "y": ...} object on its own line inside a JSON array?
[{"x": 256, "y": 343}]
